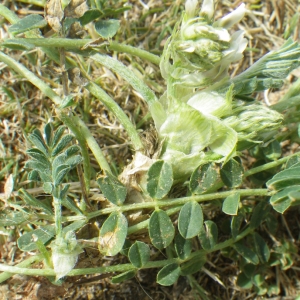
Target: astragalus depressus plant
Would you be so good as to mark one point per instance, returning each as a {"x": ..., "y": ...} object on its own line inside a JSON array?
[{"x": 189, "y": 194}]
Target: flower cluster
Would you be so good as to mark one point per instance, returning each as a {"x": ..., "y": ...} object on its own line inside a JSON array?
[
  {"x": 202, "y": 50},
  {"x": 197, "y": 121}
]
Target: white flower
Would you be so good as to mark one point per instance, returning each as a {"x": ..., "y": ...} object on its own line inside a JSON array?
[{"x": 232, "y": 18}]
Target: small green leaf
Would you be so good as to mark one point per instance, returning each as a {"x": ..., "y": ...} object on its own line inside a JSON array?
[
  {"x": 231, "y": 204},
  {"x": 168, "y": 275},
  {"x": 246, "y": 253},
  {"x": 113, "y": 234},
  {"x": 39, "y": 156},
  {"x": 58, "y": 135},
  {"x": 30, "y": 200},
  {"x": 248, "y": 269},
  {"x": 272, "y": 151},
  {"x": 44, "y": 173},
  {"x": 259, "y": 214},
  {"x": 161, "y": 229},
  {"x": 48, "y": 132},
  {"x": 183, "y": 247},
  {"x": 232, "y": 173},
  {"x": 37, "y": 140},
  {"x": 26, "y": 242},
  {"x": 62, "y": 144},
  {"x": 261, "y": 248},
  {"x": 284, "y": 179},
  {"x": 34, "y": 176},
  {"x": 203, "y": 178},
  {"x": 294, "y": 160},
  {"x": 193, "y": 266},
  {"x": 123, "y": 277},
  {"x": 28, "y": 23},
  {"x": 282, "y": 200},
  {"x": 272, "y": 223},
  {"x": 258, "y": 279},
  {"x": 244, "y": 282},
  {"x": 89, "y": 16},
  {"x": 112, "y": 189},
  {"x": 160, "y": 179},
  {"x": 73, "y": 160},
  {"x": 72, "y": 150},
  {"x": 139, "y": 254},
  {"x": 17, "y": 45},
  {"x": 190, "y": 220},
  {"x": 59, "y": 174},
  {"x": 13, "y": 218},
  {"x": 235, "y": 224},
  {"x": 107, "y": 28},
  {"x": 208, "y": 235}
]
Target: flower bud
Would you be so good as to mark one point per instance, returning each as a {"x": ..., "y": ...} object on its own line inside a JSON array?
[
  {"x": 207, "y": 9},
  {"x": 65, "y": 251},
  {"x": 253, "y": 121}
]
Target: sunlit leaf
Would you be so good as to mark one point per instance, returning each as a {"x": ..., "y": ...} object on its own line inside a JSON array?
[
  {"x": 231, "y": 204},
  {"x": 112, "y": 189},
  {"x": 168, "y": 275},
  {"x": 203, "y": 178},
  {"x": 26, "y": 242},
  {"x": 190, "y": 220},
  {"x": 232, "y": 173},
  {"x": 113, "y": 234},
  {"x": 160, "y": 179},
  {"x": 161, "y": 229},
  {"x": 139, "y": 254}
]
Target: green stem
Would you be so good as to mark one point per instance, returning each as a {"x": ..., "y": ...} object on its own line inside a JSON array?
[
  {"x": 81, "y": 43},
  {"x": 128, "y": 75},
  {"x": 145, "y": 55},
  {"x": 119, "y": 268},
  {"x": 29, "y": 261},
  {"x": 182, "y": 201},
  {"x": 118, "y": 112},
  {"x": 57, "y": 212},
  {"x": 270, "y": 165}
]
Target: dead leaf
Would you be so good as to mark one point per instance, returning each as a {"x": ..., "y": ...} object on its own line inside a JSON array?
[
  {"x": 9, "y": 186},
  {"x": 76, "y": 9},
  {"x": 54, "y": 14}
]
